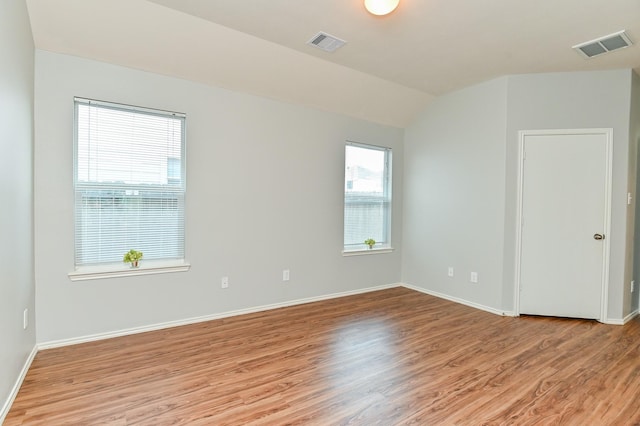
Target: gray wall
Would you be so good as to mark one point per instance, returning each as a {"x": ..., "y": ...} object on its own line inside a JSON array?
[
  {"x": 264, "y": 192},
  {"x": 17, "y": 290},
  {"x": 461, "y": 180},
  {"x": 454, "y": 194},
  {"x": 598, "y": 99},
  {"x": 634, "y": 144}
]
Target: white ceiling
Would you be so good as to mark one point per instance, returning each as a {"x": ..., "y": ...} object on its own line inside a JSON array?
[{"x": 390, "y": 68}]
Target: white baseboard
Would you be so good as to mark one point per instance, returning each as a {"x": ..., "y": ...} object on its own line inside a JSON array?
[
  {"x": 16, "y": 387},
  {"x": 461, "y": 301},
  {"x": 609, "y": 321},
  {"x": 622, "y": 321},
  {"x": 194, "y": 320}
]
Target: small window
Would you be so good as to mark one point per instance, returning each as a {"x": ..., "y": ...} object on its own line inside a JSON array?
[
  {"x": 367, "y": 196},
  {"x": 129, "y": 172}
]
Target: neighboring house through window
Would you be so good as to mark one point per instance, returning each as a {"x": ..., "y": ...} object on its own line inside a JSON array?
[
  {"x": 129, "y": 172},
  {"x": 367, "y": 196}
]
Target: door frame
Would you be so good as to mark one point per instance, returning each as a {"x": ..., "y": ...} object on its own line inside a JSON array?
[{"x": 608, "y": 133}]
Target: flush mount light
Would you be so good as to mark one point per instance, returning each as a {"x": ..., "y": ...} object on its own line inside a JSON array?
[{"x": 381, "y": 7}]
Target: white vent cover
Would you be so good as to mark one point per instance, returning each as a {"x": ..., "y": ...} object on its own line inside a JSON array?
[
  {"x": 326, "y": 42},
  {"x": 604, "y": 44}
]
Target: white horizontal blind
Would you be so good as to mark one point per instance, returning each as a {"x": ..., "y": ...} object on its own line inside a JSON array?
[
  {"x": 367, "y": 196},
  {"x": 129, "y": 170}
]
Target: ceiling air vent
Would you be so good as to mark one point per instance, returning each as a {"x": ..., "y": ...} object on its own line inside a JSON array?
[
  {"x": 326, "y": 42},
  {"x": 604, "y": 44}
]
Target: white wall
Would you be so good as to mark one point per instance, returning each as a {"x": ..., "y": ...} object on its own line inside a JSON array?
[
  {"x": 454, "y": 194},
  {"x": 461, "y": 180},
  {"x": 264, "y": 192},
  {"x": 598, "y": 99},
  {"x": 17, "y": 290}
]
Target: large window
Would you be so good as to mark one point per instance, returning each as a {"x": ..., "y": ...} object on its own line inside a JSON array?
[
  {"x": 129, "y": 172},
  {"x": 367, "y": 196}
]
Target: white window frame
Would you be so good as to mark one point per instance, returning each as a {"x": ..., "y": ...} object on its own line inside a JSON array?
[
  {"x": 381, "y": 246},
  {"x": 117, "y": 268}
]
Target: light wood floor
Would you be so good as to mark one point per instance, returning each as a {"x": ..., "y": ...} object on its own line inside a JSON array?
[{"x": 390, "y": 357}]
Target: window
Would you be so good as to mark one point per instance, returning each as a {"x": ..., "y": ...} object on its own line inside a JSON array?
[
  {"x": 129, "y": 172},
  {"x": 367, "y": 196}
]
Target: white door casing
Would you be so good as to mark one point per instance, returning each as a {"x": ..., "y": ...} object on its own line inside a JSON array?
[{"x": 564, "y": 199}]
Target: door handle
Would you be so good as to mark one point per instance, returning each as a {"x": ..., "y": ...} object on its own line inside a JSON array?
[{"x": 598, "y": 237}]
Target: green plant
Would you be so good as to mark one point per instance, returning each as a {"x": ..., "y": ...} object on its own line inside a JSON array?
[
  {"x": 132, "y": 256},
  {"x": 370, "y": 242}
]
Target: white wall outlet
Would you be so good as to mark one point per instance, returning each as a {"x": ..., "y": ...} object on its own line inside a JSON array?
[
  {"x": 633, "y": 285},
  {"x": 25, "y": 318},
  {"x": 474, "y": 277},
  {"x": 285, "y": 275},
  {"x": 450, "y": 271},
  {"x": 224, "y": 283}
]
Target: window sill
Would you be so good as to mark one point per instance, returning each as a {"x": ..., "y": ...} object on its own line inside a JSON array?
[
  {"x": 364, "y": 252},
  {"x": 118, "y": 270}
]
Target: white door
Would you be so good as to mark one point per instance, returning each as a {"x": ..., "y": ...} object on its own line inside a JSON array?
[{"x": 565, "y": 191}]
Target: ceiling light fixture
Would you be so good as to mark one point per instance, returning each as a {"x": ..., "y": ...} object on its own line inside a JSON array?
[{"x": 381, "y": 7}]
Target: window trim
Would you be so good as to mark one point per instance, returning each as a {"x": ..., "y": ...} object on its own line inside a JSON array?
[
  {"x": 128, "y": 107},
  {"x": 360, "y": 252},
  {"x": 112, "y": 270},
  {"x": 119, "y": 269},
  {"x": 361, "y": 249}
]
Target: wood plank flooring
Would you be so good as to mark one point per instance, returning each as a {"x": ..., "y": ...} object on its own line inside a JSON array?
[{"x": 390, "y": 357}]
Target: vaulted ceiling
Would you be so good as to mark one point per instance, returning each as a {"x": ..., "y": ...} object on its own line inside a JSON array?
[{"x": 390, "y": 68}]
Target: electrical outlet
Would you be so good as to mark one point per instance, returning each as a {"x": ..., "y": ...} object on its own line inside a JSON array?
[
  {"x": 450, "y": 271},
  {"x": 474, "y": 277},
  {"x": 633, "y": 285},
  {"x": 224, "y": 283},
  {"x": 25, "y": 318},
  {"x": 285, "y": 275}
]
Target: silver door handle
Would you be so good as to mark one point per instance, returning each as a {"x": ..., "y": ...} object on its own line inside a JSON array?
[{"x": 598, "y": 237}]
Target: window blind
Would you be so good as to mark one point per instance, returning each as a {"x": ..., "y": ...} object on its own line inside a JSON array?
[
  {"x": 129, "y": 172},
  {"x": 367, "y": 196}
]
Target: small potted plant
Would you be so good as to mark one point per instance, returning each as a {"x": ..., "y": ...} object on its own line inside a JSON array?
[
  {"x": 133, "y": 257},
  {"x": 370, "y": 242}
]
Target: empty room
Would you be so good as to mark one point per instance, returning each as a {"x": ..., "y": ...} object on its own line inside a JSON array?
[{"x": 319, "y": 212}]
